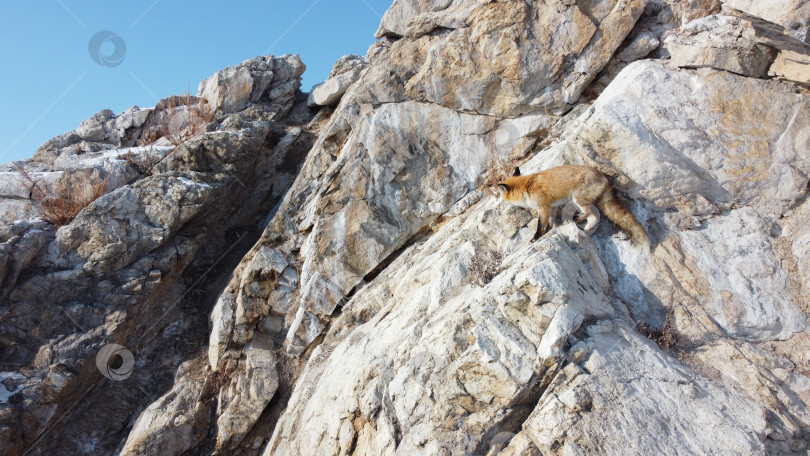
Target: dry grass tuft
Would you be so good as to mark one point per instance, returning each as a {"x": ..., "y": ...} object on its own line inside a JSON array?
[
  {"x": 150, "y": 135},
  {"x": 485, "y": 266},
  {"x": 188, "y": 119},
  {"x": 61, "y": 203},
  {"x": 665, "y": 337},
  {"x": 214, "y": 382},
  {"x": 144, "y": 162},
  {"x": 181, "y": 118}
]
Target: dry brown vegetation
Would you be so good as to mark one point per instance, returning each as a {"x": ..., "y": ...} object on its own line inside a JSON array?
[
  {"x": 214, "y": 382},
  {"x": 180, "y": 119},
  {"x": 484, "y": 266},
  {"x": 143, "y": 162},
  {"x": 61, "y": 203},
  {"x": 665, "y": 337}
]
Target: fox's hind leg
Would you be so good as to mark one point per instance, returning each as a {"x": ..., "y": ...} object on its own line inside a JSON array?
[
  {"x": 555, "y": 213},
  {"x": 588, "y": 212}
]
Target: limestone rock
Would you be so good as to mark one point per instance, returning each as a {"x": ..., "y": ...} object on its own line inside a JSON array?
[
  {"x": 445, "y": 391},
  {"x": 242, "y": 401},
  {"x": 640, "y": 47},
  {"x": 722, "y": 42},
  {"x": 415, "y": 18},
  {"x": 392, "y": 304},
  {"x": 180, "y": 410},
  {"x": 125, "y": 224},
  {"x": 421, "y": 346},
  {"x": 504, "y": 58},
  {"x": 586, "y": 405},
  {"x": 234, "y": 88},
  {"x": 134, "y": 268},
  {"x": 105, "y": 126},
  {"x": 791, "y": 14},
  {"x": 346, "y": 71},
  {"x": 793, "y": 66}
]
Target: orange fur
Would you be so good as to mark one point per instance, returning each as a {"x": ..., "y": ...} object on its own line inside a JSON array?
[{"x": 584, "y": 186}]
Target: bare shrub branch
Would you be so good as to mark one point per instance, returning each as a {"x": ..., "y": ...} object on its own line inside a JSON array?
[
  {"x": 665, "y": 337},
  {"x": 143, "y": 162},
  {"x": 180, "y": 119},
  {"x": 485, "y": 266},
  {"x": 61, "y": 203}
]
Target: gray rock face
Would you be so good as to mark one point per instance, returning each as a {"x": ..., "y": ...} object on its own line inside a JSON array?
[
  {"x": 503, "y": 58},
  {"x": 722, "y": 42},
  {"x": 127, "y": 269},
  {"x": 548, "y": 350},
  {"x": 392, "y": 304},
  {"x": 791, "y": 14},
  {"x": 105, "y": 126},
  {"x": 616, "y": 363},
  {"x": 234, "y": 88}
]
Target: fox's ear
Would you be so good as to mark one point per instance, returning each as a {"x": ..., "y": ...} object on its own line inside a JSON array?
[
  {"x": 517, "y": 171},
  {"x": 503, "y": 189}
]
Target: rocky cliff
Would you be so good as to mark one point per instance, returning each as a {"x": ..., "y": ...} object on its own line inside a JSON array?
[{"x": 331, "y": 273}]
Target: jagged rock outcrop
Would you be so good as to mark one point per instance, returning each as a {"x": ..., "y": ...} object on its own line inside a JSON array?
[
  {"x": 346, "y": 71},
  {"x": 549, "y": 349},
  {"x": 742, "y": 45},
  {"x": 392, "y": 304},
  {"x": 501, "y": 58},
  {"x": 126, "y": 269},
  {"x": 723, "y": 42},
  {"x": 261, "y": 78},
  {"x": 794, "y": 15}
]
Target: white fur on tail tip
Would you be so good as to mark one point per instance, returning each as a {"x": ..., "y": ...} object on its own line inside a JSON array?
[{"x": 641, "y": 249}]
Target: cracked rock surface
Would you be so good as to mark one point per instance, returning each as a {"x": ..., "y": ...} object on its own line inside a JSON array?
[{"x": 360, "y": 289}]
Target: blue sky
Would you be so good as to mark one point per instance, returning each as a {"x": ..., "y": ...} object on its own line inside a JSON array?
[{"x": 50, "y": 82}]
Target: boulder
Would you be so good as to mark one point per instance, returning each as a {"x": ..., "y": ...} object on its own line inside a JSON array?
[
  {"x": 244, "y": 398},
  {"x": 793, "y": 15},
  {"x": 235, "y": 87},
  {"x": 180, "y": 409},
  {"x": 346, "y": 71},
  {"x": 640, "y": 47},
  {"x": 502, "y": 58},
  {"x": 105, "y": 126},
  {"x": 722, "y": 42},
  {"x": 792, "y": 66}
]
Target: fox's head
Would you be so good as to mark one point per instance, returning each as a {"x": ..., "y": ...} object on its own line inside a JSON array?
[{"x": 505, "y": 187}]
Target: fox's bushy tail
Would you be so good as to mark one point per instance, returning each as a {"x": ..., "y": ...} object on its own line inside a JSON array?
[{"x": 614, "y": 210}]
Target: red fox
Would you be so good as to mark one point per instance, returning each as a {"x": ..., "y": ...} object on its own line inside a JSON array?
[{"x": 583, "y": 186}]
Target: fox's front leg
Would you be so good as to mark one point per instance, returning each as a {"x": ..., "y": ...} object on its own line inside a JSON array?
[{"x": 542, "y": 221}]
